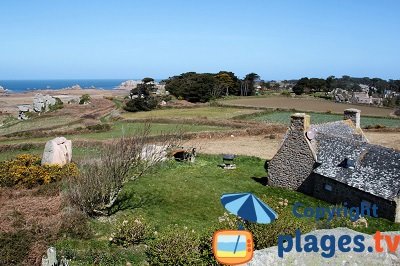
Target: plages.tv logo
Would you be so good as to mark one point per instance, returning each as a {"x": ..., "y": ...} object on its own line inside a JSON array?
[{"x": 236, "y": 246}]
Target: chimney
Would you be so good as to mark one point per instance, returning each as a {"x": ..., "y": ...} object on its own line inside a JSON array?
[
  {"x": 353, "y": 115},
  {"x": 300, "y": 122}
]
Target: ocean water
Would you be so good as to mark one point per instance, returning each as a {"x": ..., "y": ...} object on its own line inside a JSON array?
[{"x": 29, "y": 85}]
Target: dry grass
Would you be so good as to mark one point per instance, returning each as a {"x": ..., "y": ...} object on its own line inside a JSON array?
[
  {"x": 306, "y": 104},
  {"x": 24, "y": 210}
]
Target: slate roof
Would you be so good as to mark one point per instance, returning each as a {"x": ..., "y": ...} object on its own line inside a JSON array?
[{"x": 376, "y": 170}]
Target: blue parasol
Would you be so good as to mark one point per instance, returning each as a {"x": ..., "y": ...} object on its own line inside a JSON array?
[{"x": 248, "y": 207}]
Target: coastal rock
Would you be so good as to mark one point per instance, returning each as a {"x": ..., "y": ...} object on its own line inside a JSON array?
[
  {"x": 42, "y": 103},
  {"x": 2, "y": 90},
  {"x": 269, "y": 256},
  {"x": 129, "y": 84},
  {"x": 57, "y": 151}
]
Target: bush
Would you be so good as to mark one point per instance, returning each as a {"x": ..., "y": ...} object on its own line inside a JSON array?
[
  {"x": 14, "y": 247},
  {"x": 101, "y": 179},
  {"x": 99, "y": 127},
  {"x": 25, "y": 170},
  {"x": 85, "y": 98},
  {"x": 285, "y": 93},
  {"x": 58, "y": 105},
  {"x": 175, "y": 246},
  {"x": 141, "y": 104},
  {"x": 129, "y": 232},
  {"x": 266, "y": 235},
  {"x": 74, "y": 223}
]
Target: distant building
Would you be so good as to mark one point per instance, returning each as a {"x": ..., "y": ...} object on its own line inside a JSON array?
[{"x": 336, "y": 163}]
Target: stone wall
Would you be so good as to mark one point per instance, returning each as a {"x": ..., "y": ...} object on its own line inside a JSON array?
[
  {"x": 294, "y": 162},
  {"x": 343, "y": 193}
]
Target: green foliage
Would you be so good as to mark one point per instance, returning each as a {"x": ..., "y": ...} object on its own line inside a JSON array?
[
  {"x": 202, "y": 87},
  {"x": 85, "y": 98},
  {"x": 139, "y": 104},
  {"x": 25, "y": 170},
  {"x": 129, "y": 231},
  {"x": 249, "y": 82},
  {"x": 99, "y": 127},
  {"x": 175, "y": 246},
  {"x": 141, "y": 98},
  {"x": 58, "y": 105}
]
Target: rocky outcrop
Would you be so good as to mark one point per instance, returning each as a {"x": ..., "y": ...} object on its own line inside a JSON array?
[
  {"x": 269, "y": 256},
  {"x": 57, "y": 151},
  {"x": 129, "y": 84},
  {"x": 42, "y": 103}
]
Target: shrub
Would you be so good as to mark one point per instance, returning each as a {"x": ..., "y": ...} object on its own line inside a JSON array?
[
  {"x": 58, "y": 105},
  {"x": 147, "y": 103},
  {"x": 100, "y": 182},
  {"x": 99, "y": 127},
  {"x": 14, "y": 247},
  {"x": 25, "y": 170},
  {"x": 285, "y": 93},
  {"x": 266, "y": 235},
  {"x": 85, "y": 98},
  {"x": 129, "y": 231},
  {"x": 175, "y": 246},
  {"x": 74, "y": 223}
]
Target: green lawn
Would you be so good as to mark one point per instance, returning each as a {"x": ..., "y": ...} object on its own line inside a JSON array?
[
  {"x": 283, "y": 117},
  {"x": 188, "y": 195},
  {"x": 193, "y": 113}
]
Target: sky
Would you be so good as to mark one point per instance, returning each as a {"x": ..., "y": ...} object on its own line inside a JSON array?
[{"x": 282, "y": 39}]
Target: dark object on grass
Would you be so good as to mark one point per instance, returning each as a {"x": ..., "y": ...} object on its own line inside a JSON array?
[
  {"x": 227, "y": 161},
  {"x": 185, "y": 154}
]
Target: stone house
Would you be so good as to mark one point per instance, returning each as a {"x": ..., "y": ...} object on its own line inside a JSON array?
[{"x": 335, "y": 162}]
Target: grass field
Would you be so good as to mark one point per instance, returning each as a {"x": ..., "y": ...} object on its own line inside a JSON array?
[
  {"x": 37, "y": 123},
  {"x": 283, "y": 117},
  {"x": 306, "y": 104},
  {"x": 121, "y": 128},
  {"x": 187, "y": 113},
  {"x": 188, "y": 195}
]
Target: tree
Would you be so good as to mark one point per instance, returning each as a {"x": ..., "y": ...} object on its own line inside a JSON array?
[
  {"x": 224, "y": 83},
  {"x": 201, "y": 87},
  {"x": 300, "y": 86},
  {"x": 248, "y": 84},
  {"x": 141, "y": 98}
]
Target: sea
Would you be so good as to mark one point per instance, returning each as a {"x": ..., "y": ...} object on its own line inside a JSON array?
[{"x": 15, "y": 86}]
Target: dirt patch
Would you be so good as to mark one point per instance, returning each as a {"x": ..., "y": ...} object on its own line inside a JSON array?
[
  {"x": 306, "y": 104},
  {"x": 390, "y": 140},
  {"x": 265, "y": 146},
  {"x": 262, "y": 146}
]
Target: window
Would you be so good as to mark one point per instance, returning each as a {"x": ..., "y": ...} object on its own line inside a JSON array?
[{"x": 327, "y": 187}]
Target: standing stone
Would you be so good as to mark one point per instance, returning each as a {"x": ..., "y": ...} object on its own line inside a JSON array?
[{"x": 57, "y": 151}]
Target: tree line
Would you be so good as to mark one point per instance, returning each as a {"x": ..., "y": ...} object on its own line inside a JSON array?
[
  {"x": 203, "y": 87},
  {"x": 310, "y": 85}
]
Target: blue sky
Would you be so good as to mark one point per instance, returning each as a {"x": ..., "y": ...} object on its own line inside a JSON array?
[{"x": 56, "y": 39}]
